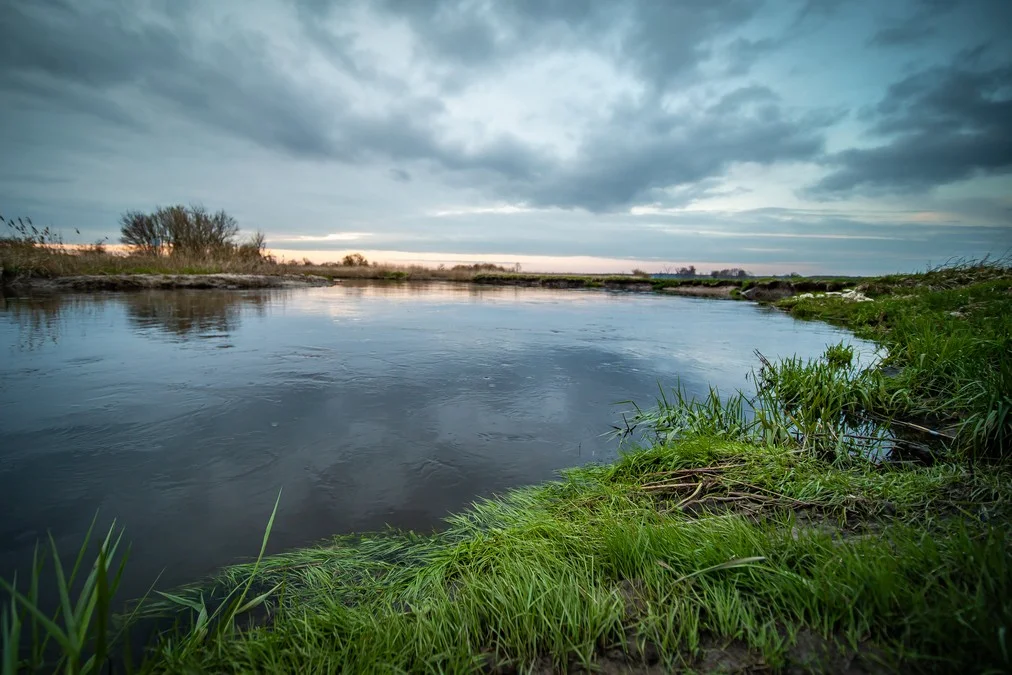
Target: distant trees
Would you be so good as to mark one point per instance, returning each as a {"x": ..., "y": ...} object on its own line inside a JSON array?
[
  {"x": 730, "y": 273},
  {"x": 193, "y": 230},
  {"x": 637, "y": 272},
  {"x": 354, "y": 260},
  {"x": 670, "y": 271},
  {"x": 481, "y": 267}
]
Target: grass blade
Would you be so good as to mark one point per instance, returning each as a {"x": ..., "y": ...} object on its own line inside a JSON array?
[{"x": 730, "y": 564}]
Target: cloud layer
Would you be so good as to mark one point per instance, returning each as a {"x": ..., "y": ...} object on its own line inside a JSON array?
[{"x": 312, "y": 119}]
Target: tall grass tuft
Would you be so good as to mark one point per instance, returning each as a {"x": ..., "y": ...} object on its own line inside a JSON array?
[
  {"x": 819, "y": 405},
  {"x": 75, "y": 638},
  {"x": 221, "y": 620},
  {"x": 948, "y": 333}
]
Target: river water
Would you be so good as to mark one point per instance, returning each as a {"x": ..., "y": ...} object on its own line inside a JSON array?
[{"x": 183, "y": 413}]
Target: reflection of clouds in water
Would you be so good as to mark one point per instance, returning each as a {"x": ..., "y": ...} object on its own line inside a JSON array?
[
  {"x": 439, "y": 394},
  {"x": 344, "y": 298}
]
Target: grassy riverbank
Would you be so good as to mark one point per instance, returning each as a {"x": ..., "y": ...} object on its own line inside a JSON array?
[
  {"x": 24, "y": 261},
  {"x": 744, "y": 533}
]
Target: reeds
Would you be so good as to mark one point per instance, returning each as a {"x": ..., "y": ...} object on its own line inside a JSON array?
[
  {"x": 948, "y": 335},
  {"x": 77, "y": 636},
  {"x": 819, "y": 406}
]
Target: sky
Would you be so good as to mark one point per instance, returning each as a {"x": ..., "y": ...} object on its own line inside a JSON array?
[{"x": 810, "y": 136}]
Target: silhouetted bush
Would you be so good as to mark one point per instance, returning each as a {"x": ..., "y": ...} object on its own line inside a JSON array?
[
  {"x": 354, "y": 260},
  {"x": 179, "y": 230}
]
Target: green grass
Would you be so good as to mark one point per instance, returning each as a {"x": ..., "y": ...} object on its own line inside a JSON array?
[
  {"x": 949, "y": 335},
  {"x": 618, "y": 560},
  {"x": 753, "y": 531},
  {"x": 76, "y": 637}
]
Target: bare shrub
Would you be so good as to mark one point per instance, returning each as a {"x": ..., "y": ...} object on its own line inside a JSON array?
[
  {"x": 253, "y": 248},
  {"x": 354, "y": 260},
  {"x": 187, "y": 231}
]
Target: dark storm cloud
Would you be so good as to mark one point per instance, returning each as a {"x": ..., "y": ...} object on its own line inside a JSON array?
[
  {"x": 669, "y": 138},
  {"x": 97, "y": 48},
  {"x": 73, "y": 51},
  {"x": 671, "y": 38},
  {"x": 743, "y": 53},
  {"x": 68, "y": 52},
  {"x": 662, "y": 41},
  {"x": 815, "y": 10},
  {"x": 916, "y": 27},
  {"x": 83, "y": 100},
  {"x": 941, "y": 125},
  {"x": 72, "y": 55},
  {"x": 901, "y": 35},
  {"x": 644, "y": 150}
]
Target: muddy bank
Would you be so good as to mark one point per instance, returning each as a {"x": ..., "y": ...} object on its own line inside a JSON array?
[
  {"x": 771, "y": 291},
  {"x": 758, "y": 291},
  {"x": 701, "y": 291},
  {"x": 534, "y": 281},
  {"x": 136, "y": 282}
]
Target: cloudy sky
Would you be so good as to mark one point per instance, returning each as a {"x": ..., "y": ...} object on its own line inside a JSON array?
[{"x": 837, "y": 136}]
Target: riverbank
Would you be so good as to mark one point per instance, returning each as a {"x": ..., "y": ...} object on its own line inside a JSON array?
[
  {"x": 760, "y": 290},
  {"x": 735, "y": 535},
  {"x": 30, "y": 265},
  {"x": 136, "y": 282}
]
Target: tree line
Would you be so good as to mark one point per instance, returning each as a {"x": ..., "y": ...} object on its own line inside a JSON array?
[{"x": 691, "y": 272}]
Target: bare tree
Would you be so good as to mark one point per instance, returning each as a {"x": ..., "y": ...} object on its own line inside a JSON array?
[{"x": 143, "y": 231}]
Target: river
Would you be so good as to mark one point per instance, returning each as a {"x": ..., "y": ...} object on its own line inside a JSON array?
[{"x": 183, "y": 413}]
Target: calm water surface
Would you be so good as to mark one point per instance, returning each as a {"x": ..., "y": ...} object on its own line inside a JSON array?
[{"x": 182, "y": 413}]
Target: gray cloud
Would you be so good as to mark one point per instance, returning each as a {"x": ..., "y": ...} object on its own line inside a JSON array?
[
  {"x": 919, "y": 25},
  {"x": 660, "y": 40},
  {"x": 901, "y": 35},
  {"x": 743, "y": 53},
  {"x": 941, "y": 125},
  {"x": 643, "y": 150},
  {"x": 366, "y": 113},
  {"x": 68, "y": 52},
  {"x": 234, "y": 85}
]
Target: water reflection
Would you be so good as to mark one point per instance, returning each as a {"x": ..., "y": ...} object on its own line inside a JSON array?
[
  {"x": 181, "y": 314},
  {"x": 370, "y": 404},
  {"x": 38, "y": 318},
  {"x": 198, "y": 313}
]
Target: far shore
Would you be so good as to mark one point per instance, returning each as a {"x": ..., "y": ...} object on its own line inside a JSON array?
[
  {"x": 136, "y": 282},
  {"x": 755, "y": 289}
]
